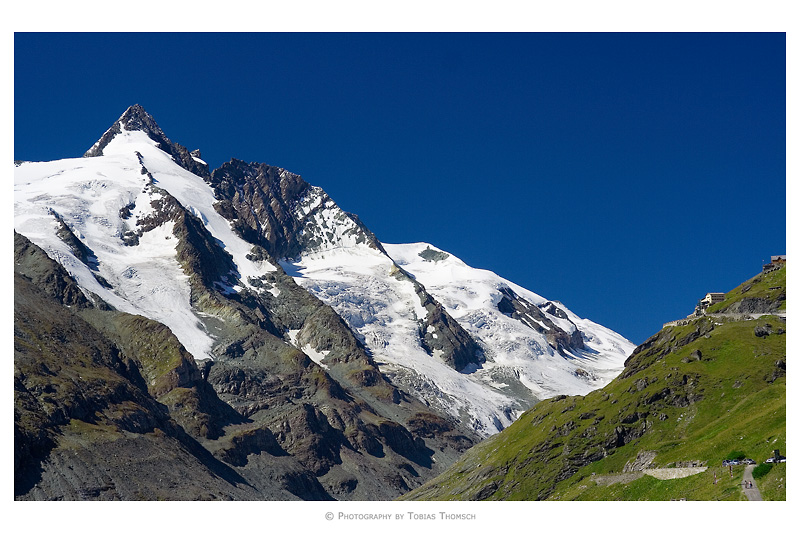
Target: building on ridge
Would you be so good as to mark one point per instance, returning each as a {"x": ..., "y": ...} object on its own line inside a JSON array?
[{"x": 776, "y": 262}]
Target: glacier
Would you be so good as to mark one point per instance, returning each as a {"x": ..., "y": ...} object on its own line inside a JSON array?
[{"x": 370, "y": 285}]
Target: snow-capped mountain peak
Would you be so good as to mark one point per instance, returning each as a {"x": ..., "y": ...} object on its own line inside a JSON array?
[
  {"x": 136, "y": 119},
  {"x": 141, "y": 223},
  {"x": 124, "y": 203}
]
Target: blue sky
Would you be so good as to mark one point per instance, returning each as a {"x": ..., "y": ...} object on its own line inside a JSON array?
[{"x": 623, "y": 174}]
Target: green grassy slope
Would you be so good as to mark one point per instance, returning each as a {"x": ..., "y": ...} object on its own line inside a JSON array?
[
  {"x": 763, "y": 293},
  {"x": 691, "y": 393}
]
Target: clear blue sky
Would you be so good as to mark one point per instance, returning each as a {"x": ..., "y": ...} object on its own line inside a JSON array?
[{"x": 623, "y": 174}]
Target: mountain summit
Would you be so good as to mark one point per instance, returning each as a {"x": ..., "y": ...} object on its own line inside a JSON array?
[
  {"x": 261, "y": 329},
  {"x": 135, "y": 118}
]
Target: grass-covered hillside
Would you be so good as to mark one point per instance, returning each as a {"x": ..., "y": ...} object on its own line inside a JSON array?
[
  {"x": 690, "y": 395},
  {"x": 765, "y": 292}
]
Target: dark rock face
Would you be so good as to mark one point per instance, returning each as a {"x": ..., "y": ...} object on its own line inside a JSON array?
[
  {"x": 696, "y": 355},
  {"x": 756, "y": 305},
  {"x": 324, "y": 426},
  {"x": 520, "y": 309},
  {"x": 428, "y": 254},
  {"x": 554, "y": 310},
  {"x": 80, "y": 250},
  {"x": 767, "y": 330},
  {"x": 762, "y": 331},
  {"x": 779, "y": 371},
  {"x": 443, "y": 334},
  {"x": 259, "y": 200}
]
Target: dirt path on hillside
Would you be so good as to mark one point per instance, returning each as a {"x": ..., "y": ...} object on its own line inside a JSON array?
[{"x": 753, "y": 494}]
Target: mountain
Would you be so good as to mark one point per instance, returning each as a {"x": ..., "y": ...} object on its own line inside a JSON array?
[
  {"x": 242, "y": 324},
  {"x": 692, "y": 395}
]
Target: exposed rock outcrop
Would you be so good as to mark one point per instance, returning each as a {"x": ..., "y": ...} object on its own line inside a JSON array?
[{"x": 520, "y": 309}]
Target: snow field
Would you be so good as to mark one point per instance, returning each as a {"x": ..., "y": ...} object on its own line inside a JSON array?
[
  {"x": 89, "y": 192},
  {"x": 471, "y": 296},
  {"x": 384, "y": 312}
]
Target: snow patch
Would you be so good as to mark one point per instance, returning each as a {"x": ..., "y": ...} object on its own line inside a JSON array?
[
  {"x": 293, "y": 336},
  {"x": 315, "y": 355}
]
